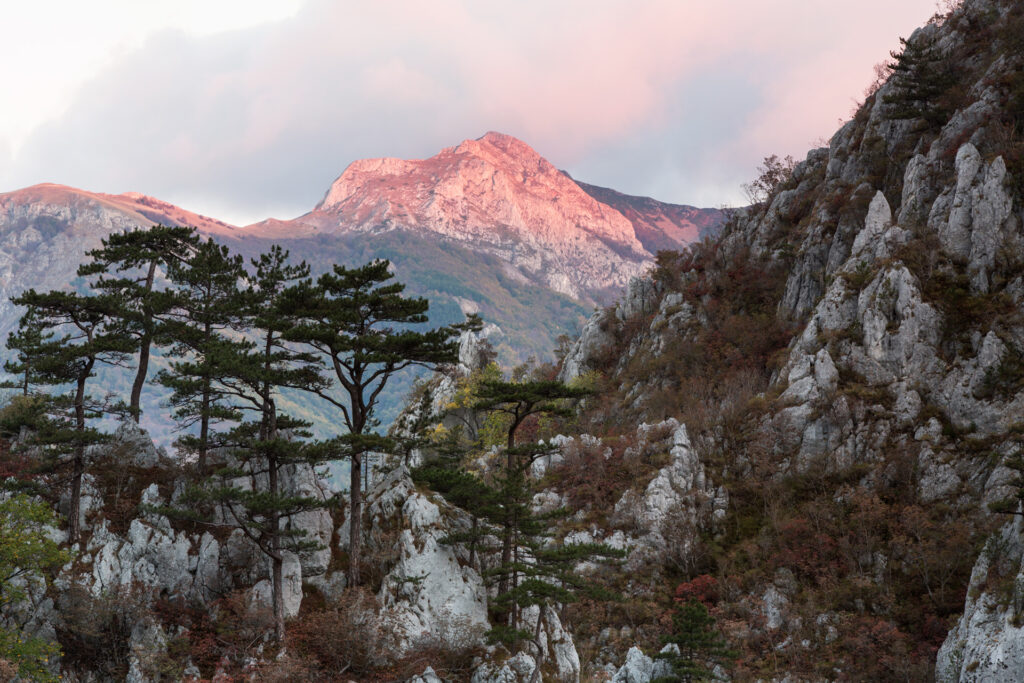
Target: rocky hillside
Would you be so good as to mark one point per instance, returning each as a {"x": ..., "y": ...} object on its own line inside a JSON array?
[{"x": 847, "y": 359}]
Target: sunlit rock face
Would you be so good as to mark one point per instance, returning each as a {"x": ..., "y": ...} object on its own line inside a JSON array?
[{"x": 499, "y": 195}]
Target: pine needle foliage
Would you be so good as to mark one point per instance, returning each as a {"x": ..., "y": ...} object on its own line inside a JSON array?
[
  {"x": 126, "y": 268},
  {"x": 366, "y": 331},
  {"x": 88, "y": 336}
]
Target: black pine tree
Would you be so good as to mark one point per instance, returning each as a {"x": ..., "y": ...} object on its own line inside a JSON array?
[
  {"x": 701, "y": 647},
  {"x": 205, "y": 316},
  {"x": 29, "y": 342},
  {"x": 127, "y": 266},
  {"x": 87, "y": 338},
  {"x": 362, "y": 326}
]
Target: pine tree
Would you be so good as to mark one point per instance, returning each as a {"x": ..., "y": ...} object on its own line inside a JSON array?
[
  {"x": 444, "y": 472},
  {"x": 253, "y": 380},
  {"x": 922, "y": 75},
  {"x": 88, "y": 337},
  {"x": 29, "y": 341},
  {"x": 530, "y": 569},
  {"x": 701, "y": 646},
  {"x": 134, "y": 257},
  {"x": 533, "y": 570},
  {"x": 206, "y": 312},
  {"x": 517, "y": 401},
  {"x": 247, "y": 491},
  {"x": 249, "y": 375},
  {"x": 362, "y": 326}
]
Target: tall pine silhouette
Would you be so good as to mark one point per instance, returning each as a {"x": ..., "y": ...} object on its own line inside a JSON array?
[
  {"x": 126, "y": 265},
  {"x": 361, "y": 325},
  {"x": 205, "y": 316},
  {"x": 84, "y": 334}
]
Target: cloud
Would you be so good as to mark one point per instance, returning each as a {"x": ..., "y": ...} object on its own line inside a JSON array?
[{"x": 677, "y": 99}]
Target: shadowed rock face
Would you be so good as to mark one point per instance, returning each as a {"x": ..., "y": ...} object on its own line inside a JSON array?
[{"x": 659, "y": 225}]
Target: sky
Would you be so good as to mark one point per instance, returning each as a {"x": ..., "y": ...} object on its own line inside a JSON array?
[{"x": 246, "y": 109}]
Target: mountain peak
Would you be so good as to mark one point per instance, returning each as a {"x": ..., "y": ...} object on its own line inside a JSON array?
[
  {"x": 506, "y": 145},
  {"x": 498, "y": 193}
]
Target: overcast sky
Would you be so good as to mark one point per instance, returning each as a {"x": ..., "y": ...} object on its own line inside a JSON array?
[{"x": 244, "y": 109}]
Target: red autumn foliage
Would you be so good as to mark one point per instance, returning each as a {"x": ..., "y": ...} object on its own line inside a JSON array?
[{"x": 703, "y": 588}]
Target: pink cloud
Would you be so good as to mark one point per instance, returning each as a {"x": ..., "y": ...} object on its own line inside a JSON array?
[{"x": 283, "y": 108}]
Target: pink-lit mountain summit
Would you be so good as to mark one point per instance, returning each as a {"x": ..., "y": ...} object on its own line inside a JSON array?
[{"x": 498, "y": 195}]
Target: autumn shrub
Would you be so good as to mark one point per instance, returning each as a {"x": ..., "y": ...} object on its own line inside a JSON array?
[
  {"x": 95, "y": 631},
  {"x": 773, "y": 174},
  {"x": 19, "y": 470},
  {"x": 347, "y": 639},
  {"x": 807, "y": 551},
  {"x": 592, "y": 475},
  {"x": 877, "y": 650},
  {"x": 685, "y": 550},
  {"x": 226, "y": 633},
  {"x": 21, "y": 412},
  {"x": 703, "y": 588},
  {"x": 121, "y": 481}
]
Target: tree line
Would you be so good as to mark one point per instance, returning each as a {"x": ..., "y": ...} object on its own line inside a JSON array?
[{"x": 236, "y": 336}]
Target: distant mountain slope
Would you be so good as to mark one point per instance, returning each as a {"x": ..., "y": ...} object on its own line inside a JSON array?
[
  {"x": 659, "y": 225},
  {"x": 45, "y": 231}
]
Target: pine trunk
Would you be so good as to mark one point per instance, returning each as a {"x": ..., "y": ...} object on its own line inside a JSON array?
[
  {"x": 144, "y": 344},
  {"x": 140, "y": 377},
  {"x": 74, "y": 517},
  {"x": 506, "y": 535},
  {"x": 204, "y": 418},
  {"x": 275, "y": 554},
  {"x": 354, "y": 526},
  {"x": 278, "y": 570}
]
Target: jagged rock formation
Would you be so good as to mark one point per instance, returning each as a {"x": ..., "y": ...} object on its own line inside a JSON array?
[
  {"x": 987, "y": 643},
  {"x": 892, "y": 265},
  {"x": 429, "y": 592}
]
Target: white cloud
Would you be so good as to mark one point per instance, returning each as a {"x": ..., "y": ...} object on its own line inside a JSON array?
[{"x": 50, "y": 48}]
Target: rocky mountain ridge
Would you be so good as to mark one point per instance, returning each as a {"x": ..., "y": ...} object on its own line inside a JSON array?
[
  {"x": 502, "y": 206},
  {"x": 499, "y": 195}
]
